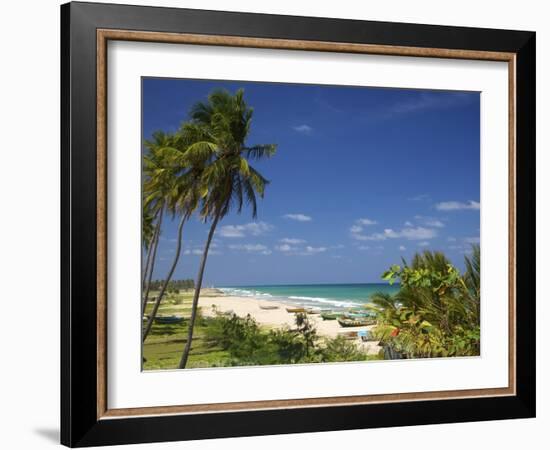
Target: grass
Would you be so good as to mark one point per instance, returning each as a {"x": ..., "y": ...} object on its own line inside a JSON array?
[{"x": 164, "y": 345}]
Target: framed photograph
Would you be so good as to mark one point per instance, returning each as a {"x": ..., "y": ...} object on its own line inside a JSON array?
[{"x": 276, "y": 224}]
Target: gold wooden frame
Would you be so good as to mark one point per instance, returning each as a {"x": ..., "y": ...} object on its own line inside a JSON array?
[{"x": 103, "y": 36}]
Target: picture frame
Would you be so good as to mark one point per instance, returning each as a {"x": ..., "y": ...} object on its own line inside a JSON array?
[{"x": 86, "y": 418}]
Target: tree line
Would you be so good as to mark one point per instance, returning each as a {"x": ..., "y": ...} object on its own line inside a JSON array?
[{"x": 173, "y": 285}]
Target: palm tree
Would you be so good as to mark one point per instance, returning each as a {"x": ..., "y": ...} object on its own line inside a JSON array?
[
  {"x": 219, "y": 129},
  {"x": 156, "y": 188},
  {"x": 472, "y": 276},
  {"x": 176, "y": 183},
  {"x": 386, "y": 306},
  {"x": 151, "y": 236}
]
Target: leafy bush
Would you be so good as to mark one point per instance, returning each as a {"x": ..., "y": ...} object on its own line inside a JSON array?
[
  {"x": 248, "y": 344},
  {"x": 340, "y": 349},
  {"x": 436, "y": 311}
]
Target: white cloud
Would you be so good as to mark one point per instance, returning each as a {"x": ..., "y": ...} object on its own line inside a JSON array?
[
  {"x": 285, "y": 248},
  {"x": 292, "y": 241},
  {"x": 298, "y": 217},
  {"x": 416, "y": 233},
  {"x": 251, "y": 248},
  {"x": 434, "y": 223},
  {"x": 357, "y": 228},
  {"x": 451, "y": 239},
  {"x": 306, "y": 129},
  {"x": 363, "y": 247},
  {"x": 239, "y": 231},
  {"x": 198, "y": 252},
  {"x": 303, "y": 251},
  {"x": 195, "y": 251},
  {"x": 455, "y": 206},
  {"x": 312, "y": 250},
  {"x": 420, "y": 197},
  {"x": 464, "y": 245},
  {"x": 366, "y": 221},
  {"x": 408, "y": 224},
  {"x": 426, "y": 101},
  {"x": 430, "y": 221},
  {"x": 423, "y": 244},
  {"x": 402, "y": 248}
]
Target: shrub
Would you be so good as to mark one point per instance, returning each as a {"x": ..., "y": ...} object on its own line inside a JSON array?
[
  {"x": 436, "y": 311},
  {"x": 340, "y": 349}
]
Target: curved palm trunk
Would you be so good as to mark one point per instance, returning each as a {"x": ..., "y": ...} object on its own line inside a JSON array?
[
  {"x": 151, "y": 264},
  {"x": 198, "y": 284},
  {"x": 150, "y": 251},
  {"x": 153, "y": 314}
]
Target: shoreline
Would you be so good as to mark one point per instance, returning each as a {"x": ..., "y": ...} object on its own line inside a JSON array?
[{"x": 277, "y": 318}]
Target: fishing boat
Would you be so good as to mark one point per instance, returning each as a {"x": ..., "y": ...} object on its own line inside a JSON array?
[
  {"x": 296, "y": 310},
  {"x": 269, "y": 307},
  {"x": 330, "y": 315},
  {"x": 353, "y": 315},
  {"x": 355, "y": 322},
  {"x": 366, "y": 336},
  {"x": 313, "y": 311},
  {"x": 360, "y": 313},
  {"x": 168, "y": 320},
  {"x": 348, "y": 334}
]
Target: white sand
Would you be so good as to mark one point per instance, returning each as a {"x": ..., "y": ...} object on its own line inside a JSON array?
[{"x": 277, "y": 318}]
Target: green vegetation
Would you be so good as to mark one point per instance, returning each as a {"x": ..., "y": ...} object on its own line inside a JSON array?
[
  {"x": 173, "y": 285},
  {"x": 203, "y": 168},
  {"x": 436, "y": 311},
  {"x": 229, "y": 340},
  {"x": 217, "y": 133}
]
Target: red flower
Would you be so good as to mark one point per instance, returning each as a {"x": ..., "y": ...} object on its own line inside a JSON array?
[{"x": 395, "y": 332}]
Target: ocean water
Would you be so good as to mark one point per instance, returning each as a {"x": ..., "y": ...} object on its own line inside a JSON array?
[{"x": 326, "y": 296}]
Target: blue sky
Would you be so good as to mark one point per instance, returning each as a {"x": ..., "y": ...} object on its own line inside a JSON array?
[{"x": 362, "y": 177}]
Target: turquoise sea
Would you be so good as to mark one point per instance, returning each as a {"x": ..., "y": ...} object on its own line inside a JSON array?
[{"x": 329, "y": 296}]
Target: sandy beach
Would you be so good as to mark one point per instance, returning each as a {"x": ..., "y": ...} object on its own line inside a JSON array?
[{"x": 277, "y": 317}]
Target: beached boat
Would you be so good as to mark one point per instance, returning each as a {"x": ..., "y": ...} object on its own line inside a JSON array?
[
  {"x": 168, "y": 320},
  {"x": 348, "y": 334},
  {"x": 330, "y": 315},
  {"x": 296, "y": 310},
  {"x": 360, "y": 313},
  {"x": 355, "y": 322},
  {"x": 269, "y": 307},
  {"x": 366, "y": 336},
  {"x": 313, "y": 311}
]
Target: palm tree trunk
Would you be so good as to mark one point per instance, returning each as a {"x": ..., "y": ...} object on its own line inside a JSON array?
[
  {"x": 150, "y": 251},
  {"x": 151, "y": 267},
  {"x": 153, "y": 314},
  {"x": 198, "y": 284}
]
